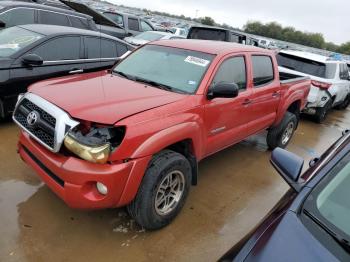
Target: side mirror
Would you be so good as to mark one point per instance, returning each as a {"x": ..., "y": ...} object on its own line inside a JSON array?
[
  {"x": 288, "y": 165},
  {"x": 2, "y": 24},
  {"x": 223, "y": 90},
  {"x": 32, "y": 60}
]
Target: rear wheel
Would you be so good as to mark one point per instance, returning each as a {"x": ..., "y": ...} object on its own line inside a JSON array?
[
  {"x": 321, "y": 112},
  {"x": 281, "y": 135},
  {"x": 163, "y": 190}
]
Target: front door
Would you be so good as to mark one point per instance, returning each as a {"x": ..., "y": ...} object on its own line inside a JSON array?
[
  {"x": 61, "y": 56},
  {"x": 226, "y": 118}
]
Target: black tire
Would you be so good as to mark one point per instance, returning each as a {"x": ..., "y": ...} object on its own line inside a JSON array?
[
  {"x": 275, "y": 135},
  {"x": 345, "y": 103},
  {"x": 321, "y": 112},
  {"x": 143, "y": 207}
]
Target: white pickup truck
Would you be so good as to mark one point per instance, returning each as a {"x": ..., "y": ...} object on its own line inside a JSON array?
[{"x": 330, "y": 85}]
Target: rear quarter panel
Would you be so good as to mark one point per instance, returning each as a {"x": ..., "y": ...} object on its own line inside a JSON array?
[{"x": 292, "y": 91}]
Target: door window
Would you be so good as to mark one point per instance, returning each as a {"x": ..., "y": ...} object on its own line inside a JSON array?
[
  {"x": 121, "y": 49},
  {"x": 116, "y": 18},
  {"x": 343, "y": 72},
  {"x": 232, "y": 70},
  {"x": 51, "y": 18},
  {"x": 64, "y": 48},
  {"x": 133, "y": 24},
  {"x": 79, "y": 22},
  {"x": 145, "y": 26},
  {"x": 18, "y": 16},
  {"x": 262, "y": 70},
  {"x": 93, "y": 47},
  {"x": 108, "y": 49}
]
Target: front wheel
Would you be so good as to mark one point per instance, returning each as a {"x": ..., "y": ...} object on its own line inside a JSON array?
[
  {"x": 321, "y": 112},
  {"x": 281, "y": 135},
  {"x": 163, "y": 190}
]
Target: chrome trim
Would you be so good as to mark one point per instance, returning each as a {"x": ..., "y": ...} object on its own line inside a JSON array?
[
  {"x": 80, "y": 60},
  {"x": 62, "y": 120},
  {"x": 40, "y": 9}
]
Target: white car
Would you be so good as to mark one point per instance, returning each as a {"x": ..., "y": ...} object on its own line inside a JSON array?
[
  {"x": 330, "y": 85},
  {"x": 149, "y": 36},
  {"x": 179, "y": 31}
]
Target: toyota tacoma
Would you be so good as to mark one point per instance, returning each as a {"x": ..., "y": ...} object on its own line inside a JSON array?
[{"x": 133, "y": 136}]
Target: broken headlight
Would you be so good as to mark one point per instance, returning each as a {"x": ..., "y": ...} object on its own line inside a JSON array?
[{"x": 96, "y": 144}]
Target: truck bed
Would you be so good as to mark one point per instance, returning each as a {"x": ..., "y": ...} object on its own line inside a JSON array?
[{"x": 287, "y": 77}]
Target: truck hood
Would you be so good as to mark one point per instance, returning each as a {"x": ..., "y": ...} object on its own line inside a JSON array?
[{"x": 101, "y": 97}]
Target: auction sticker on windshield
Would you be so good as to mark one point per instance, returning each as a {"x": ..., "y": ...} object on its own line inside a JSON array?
[
  {"x": 197, "y": 61},
  {"x": 9, "y": 46}
]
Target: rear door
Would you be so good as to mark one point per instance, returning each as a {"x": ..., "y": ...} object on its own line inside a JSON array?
[
  {"x": 226, "y": 118},
  {"x": 61, "y": 55},
  {"x": 266, "y": 93}
]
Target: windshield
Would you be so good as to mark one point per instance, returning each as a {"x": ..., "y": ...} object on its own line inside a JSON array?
[
  {"x": 150, "y": 36},
  {"x": 180, "y": 69},
  {"x": 333, "y": 201},
  {"x": 329, "y": 202},
  {"x": 14, "y": 39},
  {"x": 306, "y": 66}
]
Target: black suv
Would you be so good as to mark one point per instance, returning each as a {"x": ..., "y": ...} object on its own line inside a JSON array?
[
  {"x": 30, "y": 53},
  {"x": 220, "y": 34}
]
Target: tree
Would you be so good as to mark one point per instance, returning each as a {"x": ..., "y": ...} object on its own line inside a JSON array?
[
  {"x": 289, "y": 34},
  {"x": 207, "y": 21},
  {"x": 344, "y": 48}
]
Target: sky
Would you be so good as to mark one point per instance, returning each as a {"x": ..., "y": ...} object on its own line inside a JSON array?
[{"x": 329, "y": 17}]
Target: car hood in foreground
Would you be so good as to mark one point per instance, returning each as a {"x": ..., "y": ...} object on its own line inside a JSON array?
[
  {"x": 287, "y": 240},
  {"x": 101, "y": 97}
]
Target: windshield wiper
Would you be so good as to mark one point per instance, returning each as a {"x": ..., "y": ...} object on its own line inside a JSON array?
[
  {"x": 341, "y": 240},
  {"x": 124, "y": 75},
  {"x": 158, "y": 85}
]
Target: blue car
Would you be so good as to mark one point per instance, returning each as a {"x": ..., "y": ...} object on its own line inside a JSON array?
[{"x": 312, "y": 221}]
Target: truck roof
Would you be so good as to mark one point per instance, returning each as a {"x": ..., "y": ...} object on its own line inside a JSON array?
[{"x": 210, "y": 46}]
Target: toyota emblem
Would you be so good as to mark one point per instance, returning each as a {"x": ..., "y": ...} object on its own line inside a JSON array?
[{"x": 32, "y": 118}]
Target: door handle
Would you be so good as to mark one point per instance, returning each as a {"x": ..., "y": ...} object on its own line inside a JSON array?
[
  {"x": 246, "y": 102},
  {"x": 76, "y": 71},
  {"x": 276, "y": 94}
]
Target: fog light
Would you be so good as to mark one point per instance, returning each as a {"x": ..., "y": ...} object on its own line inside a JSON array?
[{"x": 101, "y": 188}]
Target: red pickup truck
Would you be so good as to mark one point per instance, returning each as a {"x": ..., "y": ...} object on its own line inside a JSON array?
[{"x": 133, "y": 136}]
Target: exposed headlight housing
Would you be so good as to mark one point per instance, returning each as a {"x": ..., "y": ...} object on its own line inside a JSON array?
[
  {"x": 96, "y": 145},
  {"x": 95, "y": 154}
]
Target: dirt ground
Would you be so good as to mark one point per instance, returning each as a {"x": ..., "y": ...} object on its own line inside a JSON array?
[{"x": 237, "y": 187}]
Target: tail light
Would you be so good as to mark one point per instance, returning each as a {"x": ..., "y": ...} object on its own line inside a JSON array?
[{"x": 321, "y": 85}]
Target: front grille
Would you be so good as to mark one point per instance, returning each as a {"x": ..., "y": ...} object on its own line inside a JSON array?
[
  {"x": 32, "y": 107},
  {"x": 43, "y": 129}
]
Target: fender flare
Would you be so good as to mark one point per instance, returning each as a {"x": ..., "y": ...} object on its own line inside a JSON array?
[{"x": 156, "y": 143}]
